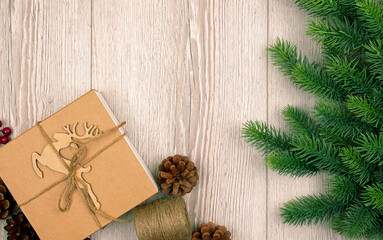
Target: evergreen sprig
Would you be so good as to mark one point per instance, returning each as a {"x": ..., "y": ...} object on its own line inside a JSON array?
[
  {"x": 367, "y": 112},
  {"x": 343, "y": 133},
  {"x": 371, "y": 14},
  {"x": 340, "y": 36},
  {"x": 300, "y": 121},
  {"x": 371, "y": 148},
  {"x": 357, "y": 221},
  {"x": 288, "y": 163},
  {"x": 374, "y": 56},
  {"x": 311, "y": 209},
  {"x": 344, "y": 188},
  {"x": 335, "y": 118},
  {"x": 317, "y": 152},
  {"x": 361, "y": 170},
  {"x": 264, "y": 137},
  {"x": 350, "y": 75},
  {"x": 373, "y": 196},
  {"x": 307, "y": 76},
  {"x": 326, "y": 8}
]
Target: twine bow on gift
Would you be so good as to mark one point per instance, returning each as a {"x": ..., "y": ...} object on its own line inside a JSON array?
[{"x": 72, "y": 179}]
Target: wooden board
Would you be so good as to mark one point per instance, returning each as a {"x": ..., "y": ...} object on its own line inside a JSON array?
[{"x": 185, "y": 75}]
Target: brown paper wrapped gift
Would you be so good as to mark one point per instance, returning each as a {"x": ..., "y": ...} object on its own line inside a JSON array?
[{"x": 117, "y": 176}]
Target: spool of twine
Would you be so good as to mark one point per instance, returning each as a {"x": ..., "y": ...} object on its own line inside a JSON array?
[{"x": 164, "y": 219}]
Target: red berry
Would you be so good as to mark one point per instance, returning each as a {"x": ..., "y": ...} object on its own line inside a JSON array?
[
  {"x": 4, "y": 139},
  {"x": 6, "y": 131},
  {"x": 1, "y": 123}
]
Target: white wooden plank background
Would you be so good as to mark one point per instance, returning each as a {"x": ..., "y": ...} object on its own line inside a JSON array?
[{"x": 184, "y": 74}]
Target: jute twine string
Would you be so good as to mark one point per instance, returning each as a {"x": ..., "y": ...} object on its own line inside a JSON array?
[
  {"x": 165, "y": 219},
  {"x": 78, "y": 149}
]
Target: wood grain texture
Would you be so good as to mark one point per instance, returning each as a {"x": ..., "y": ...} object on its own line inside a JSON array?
[
  {"x": 45, "y": 59},
  {"x": 185, "y": 75}
]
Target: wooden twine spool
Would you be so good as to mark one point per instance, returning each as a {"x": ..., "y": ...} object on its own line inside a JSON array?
[{"x": 164, "y": 219}]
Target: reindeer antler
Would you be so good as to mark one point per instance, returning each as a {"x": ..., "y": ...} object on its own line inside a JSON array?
[
  {"x": 67, "y": 129},
  {"x": 90, "y": 132}
]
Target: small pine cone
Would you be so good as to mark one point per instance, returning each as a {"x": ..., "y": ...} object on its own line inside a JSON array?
[
  {"x": 19, "y": 228},
  {"x": 178, "y": 175},
  {"x": 7, "y": 202},
  {"x": 212, "y": 232}
]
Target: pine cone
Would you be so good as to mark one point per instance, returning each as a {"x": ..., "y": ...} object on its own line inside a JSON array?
[
  {"x": 19, "y": 228},
  {"x": 7, "y": 202},
  {"x": 177, "y": 176},
  {"x": 212, "y": 232}
]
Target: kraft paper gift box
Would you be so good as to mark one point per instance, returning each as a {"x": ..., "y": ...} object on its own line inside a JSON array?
[{"x": 118, "y": 178}]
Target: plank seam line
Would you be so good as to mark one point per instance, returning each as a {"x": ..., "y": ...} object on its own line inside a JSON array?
[
  {"x": 91, "y": 44},
  {"x": 267, "y": 112}
]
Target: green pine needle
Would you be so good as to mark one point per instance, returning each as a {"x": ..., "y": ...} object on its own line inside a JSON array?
[
  {"x": 371, "y": 14},
  {"x": 357, "y": 221},
  {"x": 264, "y": 137},
  {"x": 310, "y": 209},
  {"x": 371, "y": 148},
  {"x": 340, "y": 36},
  {"x": 318, "y": 153},
  {"x": 373, "y": 196},
  {"x": 307, "y": 76},
  {"x": 358, "y": 167},
  {"x": 327, "y": 8},
  {"x": 287, "y": 163},
  {"x": 335, "y": 118},
  {"x": 362, "y": 108},
  {"x": 350, "y": 74},
  {"x": 374, "y": 56},
  {"x": 343, "y": 188},
  {"x": 299, "y": 121}
]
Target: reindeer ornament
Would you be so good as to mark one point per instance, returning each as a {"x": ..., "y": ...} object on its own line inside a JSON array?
[{"x": 49, "y": 158}]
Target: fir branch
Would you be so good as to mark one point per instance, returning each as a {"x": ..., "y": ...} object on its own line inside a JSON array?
[
  {"x": 327, "y": 8},
  {"x": 371, "y": 148},
  {"x": 371, "y": 15},
  {"x": 307, "y": 76},
  {"x": 373, "y": 196},
  {"x": 310, "y": 209},
  {"x": 333, "y": 138},
  {"x": 378, "y": 175},
  {"x": 264, "y": 137},
  {"x": 376, "y": 98},
  {"x": 357, "y": 166},
  {"x": 343, "y": 188},
  {"x": 362, "y": 108},
  {"x": 374, "y": 56},
  {"x": 318, "y": 153},
  {"x": 350, "y": 74},
  {"x": 337, "y": 36},
  {"x": 335, "y": 118},
  {"x": 299, "y": 121},
  {"x": 357, "y": 221},
  {"x": 375, "y": 232},
  {"x": 287, "y": 163}
]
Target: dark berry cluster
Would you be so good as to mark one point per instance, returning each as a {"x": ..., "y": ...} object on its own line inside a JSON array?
[{"x": 6, "y": 132}]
